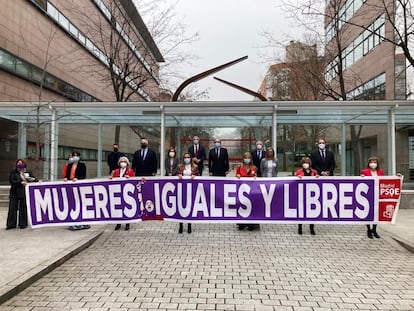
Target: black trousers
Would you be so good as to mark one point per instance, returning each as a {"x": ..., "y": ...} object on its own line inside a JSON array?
[{"x": 17, "y": 204}]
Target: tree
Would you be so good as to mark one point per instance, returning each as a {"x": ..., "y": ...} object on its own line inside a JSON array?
[
  {"x": 133, "y": 64},
  {"x": 39, "y": 81},
  {"x": 338, "y": 24},
  {"x": 171, "y": 34}
]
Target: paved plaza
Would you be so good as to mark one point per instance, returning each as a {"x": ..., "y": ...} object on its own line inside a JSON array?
[{"x": 217, "y": 267}]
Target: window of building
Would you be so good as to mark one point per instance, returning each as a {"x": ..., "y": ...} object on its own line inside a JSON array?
[
  {"x": 360, "y": 47},
  {"x": 29, "y": 72},
  {"x": 371, "y": 90},
  {"x": 69, "y": 27}
]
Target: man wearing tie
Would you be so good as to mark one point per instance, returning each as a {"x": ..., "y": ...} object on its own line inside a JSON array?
[
  {"x": 218, "y": 160},
  {"x": 145, "y": 160},
  {"x": 198, "y": 153},
  {"x": 323, "y": 160},
  {"x": 258, "y": 154}
]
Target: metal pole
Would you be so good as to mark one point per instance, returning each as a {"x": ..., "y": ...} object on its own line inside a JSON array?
[
  {"x": 162, "y": 145},
  {"x": 53, "y": 144},
  {"x": 99, "y": 163},
  {"x": 274, "y": 129},
  {"x": 392, "y": 167},
  {"x": 343, "y": 150}
]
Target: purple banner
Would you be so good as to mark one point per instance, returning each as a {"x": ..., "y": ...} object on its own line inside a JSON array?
[{"x": 218, "y": 199}]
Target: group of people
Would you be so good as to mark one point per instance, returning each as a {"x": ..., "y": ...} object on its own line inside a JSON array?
[{"x": 260, "y": 162}]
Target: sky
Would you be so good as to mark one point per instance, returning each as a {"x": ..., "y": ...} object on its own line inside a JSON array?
[{"x": 228, "y": 30}]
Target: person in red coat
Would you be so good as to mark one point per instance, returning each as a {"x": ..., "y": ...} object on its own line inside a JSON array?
[
  {"x": 123, "y": 171},
  {"x": 247, "y": 169},
  {"x": 306, "y": 170},
  {"x": 372, "y": 169}
]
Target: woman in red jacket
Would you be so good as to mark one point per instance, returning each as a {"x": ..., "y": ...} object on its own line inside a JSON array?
[
  {"x": 123, "y": 171},
  {"x": 372, "y": 169},
  {"x": 306, "y": 170},
  {"x": 247, "y": 169}
]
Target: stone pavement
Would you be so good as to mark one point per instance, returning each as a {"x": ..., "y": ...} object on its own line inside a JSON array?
[{"x": 217, "y": 267}]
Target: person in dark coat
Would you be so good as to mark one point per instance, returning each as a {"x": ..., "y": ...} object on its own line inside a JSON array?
[
  {"x": 218, "y": 160},
  {"x": 145, "y": 160},
  {"x": 171, "y": 163},
  {"x": 323, "y": 160},
  {"x": 257, "y": 155},
  {"x": 18, "y": 178},
  {"x": 198, "y": 154},
  {"x": 113, "y": 158},
  {"x": 75, "y": 171}
]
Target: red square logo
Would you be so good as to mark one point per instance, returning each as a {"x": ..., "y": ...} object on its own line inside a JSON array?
[
  {"x": 389, "y": 188},
  {"x": 386, "y": 211}
]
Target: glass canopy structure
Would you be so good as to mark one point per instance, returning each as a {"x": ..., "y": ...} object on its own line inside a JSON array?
[{"x": 212, "y": 114}]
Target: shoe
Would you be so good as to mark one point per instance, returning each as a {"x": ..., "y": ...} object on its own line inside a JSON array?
[
  {"x": 250, "y": 227},
  {"x": 241, "y": 227},
  {"x": 369, "y": 234},
  {"x": 9, "y": 228},
  {"x": 126, "y": 227},
  {"x": 180, "y": 230},
  {"x": 189, "y": 228},
  {"x": 312, "y": 230},
  {"x": 117, "y": 227},
  {"x": 300, "y": 229},
  {"x": 375, "y": 234},
  {"x": 22, "y": 227}
]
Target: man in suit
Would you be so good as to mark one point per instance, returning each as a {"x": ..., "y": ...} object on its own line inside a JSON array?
[
  {"x": 198, "y": 153},
  {"x": 113, "y": 158},
  {"x": 145, "y": 160},
  {"x": 257, "y": 155},
  {"x": 218, "y": 160},
  {"x": 323, "y": 160}
]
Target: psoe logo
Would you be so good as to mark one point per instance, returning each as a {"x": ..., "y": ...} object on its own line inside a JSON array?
[
  {"x": 386, "y": 211},
  {"x": 389, "y": 188}
]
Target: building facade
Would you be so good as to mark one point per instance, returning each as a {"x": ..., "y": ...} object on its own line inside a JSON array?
[
  {"x": 363, "y": 63},
  {"x": 60, "y": 51}
]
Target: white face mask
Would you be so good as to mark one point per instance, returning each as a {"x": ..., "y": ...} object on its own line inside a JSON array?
[
  {"x": 373, "y": 165},
  {"x": 217, "y": 145},
  {"x": 123, "y": 165},
  {"x": 187, "y": 160},
  {"x": 247, "y": 161},
  {"x": 76, "y": 159},
  {"x": 171, "y": 154},
  {"x": 305, "y": 166},
  {"x": 259, "y": 147},
  {"x": 321, "y": 146}
]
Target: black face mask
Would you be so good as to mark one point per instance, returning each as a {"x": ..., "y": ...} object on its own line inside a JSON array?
[
  {"x": 144, "y": 146},
  {"x": 115, "y": 149}
]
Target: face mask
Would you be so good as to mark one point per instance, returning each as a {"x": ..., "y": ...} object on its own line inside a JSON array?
[
  {"x": 144, "y": 146},
  {"x": 70, "y": 160},
  {"x": 305, "y": 166},
  {"x": 20, "y": 166},
  {"x": 76, "y": 159},
  {"x": 259, "y": 147},
  {"x": 247, "y": 161},
  {"x": 321, "y": 146},
  {"x": 187, "y": 160},
  {"x": 217, "y": 145},
  {"x": 123, "y": 165},
  {"x": 115, "y": 149},
  {"x": 195, "y": 141},
  {"x": 171, "y": 154},
  {"x": 373, "y": 165}
]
